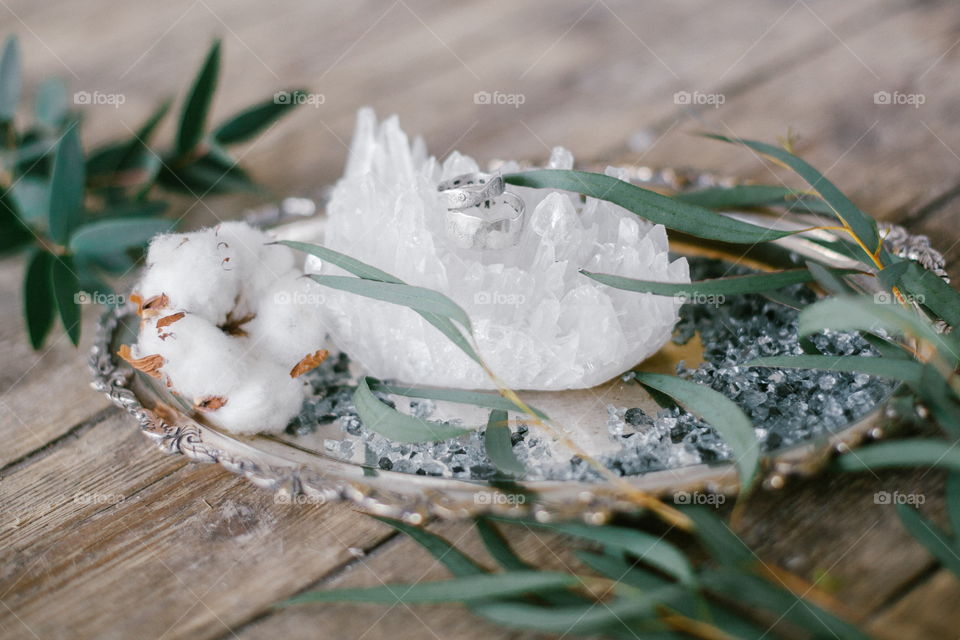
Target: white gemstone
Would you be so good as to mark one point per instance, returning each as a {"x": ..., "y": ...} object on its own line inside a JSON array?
[{"x": 538, "y": 322}]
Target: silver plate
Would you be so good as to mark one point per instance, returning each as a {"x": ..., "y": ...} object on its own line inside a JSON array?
[{"x": 298, "y": 470}]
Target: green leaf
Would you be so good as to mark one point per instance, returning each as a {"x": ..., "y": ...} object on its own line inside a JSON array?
[
  {"x": 116, "y": 235},
  {"x": 457, "y": 562},
  {"x": 932, "y": 292},
  {"x": 719, "y": 540},
  {"x": 10, "y": 82},
  {"x": 858, "y": 313},
  {"x": 51, "y": 108},
  {"x": 478, "y": 398},
  {"x": 649, "y": 549},
  {"x": 733, "y": 285},
  {"x": 32, "y": 198},
  {"x": 862, "y": 225},
  {"x": 498, "y": 547},
  {"x": 67, "y": 187},
  {"x": 753, "y": 195},
  {"x": 209, "y": 174},
  {"x": 367, "y": 272},
  {"x": 749, "y": 590},
  {"x": 577, "y": 619},
  {"x": 830, "y": 279},
  {"x": 953, "y": 503},
  {"x": 39, "y": 305},
  {"x": 416, "y": 298},
  {"x": 620, "y": 570},
  {"x": 892, "y": 368},
  {"x": 652, "y": 206},
  {"x": 465, "y": 589},
  {"x": 251, "y": 121},
  {"x": 916, "y": 452},
  {"x": 193, "y": 118},
  {"x": 498, "y": 446},
  {"x": 717, "y": 410},
  {"x": 940, "y": 545},
  {"x": 397, "y": 426},
  {"x": 66, "y": 286}
]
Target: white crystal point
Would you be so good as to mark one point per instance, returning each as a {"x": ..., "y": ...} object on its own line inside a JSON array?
[{"x": 539, "y": 323}]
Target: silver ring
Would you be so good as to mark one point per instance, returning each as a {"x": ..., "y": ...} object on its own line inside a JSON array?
[
  {"x": 470, "y": 190},
  {"x": 494, "y": 224}
]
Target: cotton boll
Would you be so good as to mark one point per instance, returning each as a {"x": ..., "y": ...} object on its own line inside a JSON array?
[
  {"x": 264, "y": 402},
  {"x": 190, "y": 270},
  {"x": 288, "y": 323}
]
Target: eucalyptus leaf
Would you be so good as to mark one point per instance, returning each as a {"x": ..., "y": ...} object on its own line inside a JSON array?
[
  {"x": 860, "y": 223},
  {"x": 416, "y": 298},
  {"x": 652, "y": 550},
  {"x": 717, "y": 410},
  {"x": 932, "y": 292},
  {"x": 733, "y": 285},
  {"x": 465, "y": 589},
  {"x": 892, "y": 368},
  {"x": 499, "y": 448},
  {"x": 66, "y": 286},
  {"x": 39, "y": 304},
  {"x": 830, "y": 279},
  {"x": 31, "y": 197},
  {"x": 397, "y": 426},
  {"x": 193, "y": 117},
  {"x": 652, "y": 206},
  {"x": 917, "y": 452},
  {"x": 753, "y": 195},
  {"x": 478, "y": 398},
  {"x": 10, "y": 80},
  {"x": 255, "y": 119},
  {"x": 115, "y": 235},
  {"x": 719, "y": 540},
  {"x": 457, "y": 562},
  {"x": 498, "y": 547},
  {"x": 206, "y": 175},
  {"x": 953, "y": 503},
  {"x": 620, "y": 570},
  {"x": 939, "y": 543},
  {"x": 67, "y": 185},
  {"x": 51, "y": 108}
]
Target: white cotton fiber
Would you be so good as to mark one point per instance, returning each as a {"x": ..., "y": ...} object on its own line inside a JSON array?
[{"x": 231, "y": 318}]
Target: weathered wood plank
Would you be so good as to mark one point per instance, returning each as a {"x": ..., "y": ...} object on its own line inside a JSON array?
[{"x": 936, "y": 598}]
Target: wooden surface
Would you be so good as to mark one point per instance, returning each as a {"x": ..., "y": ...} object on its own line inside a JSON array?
[{"x": 101, "y": 536}]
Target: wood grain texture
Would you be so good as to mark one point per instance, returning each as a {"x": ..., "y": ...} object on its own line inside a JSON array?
[{"x": 103, "y": 537}]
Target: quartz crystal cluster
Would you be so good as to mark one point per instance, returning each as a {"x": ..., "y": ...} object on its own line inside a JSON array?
[
  {"x": 229, "y": 324},
  {"x": 538, "y": 322}
]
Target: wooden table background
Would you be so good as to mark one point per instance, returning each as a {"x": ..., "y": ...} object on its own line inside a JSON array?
[{"x": 101, "y": 536}]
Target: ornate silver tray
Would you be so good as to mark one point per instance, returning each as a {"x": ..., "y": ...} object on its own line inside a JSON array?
[{"x": 298, "y": 469}]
